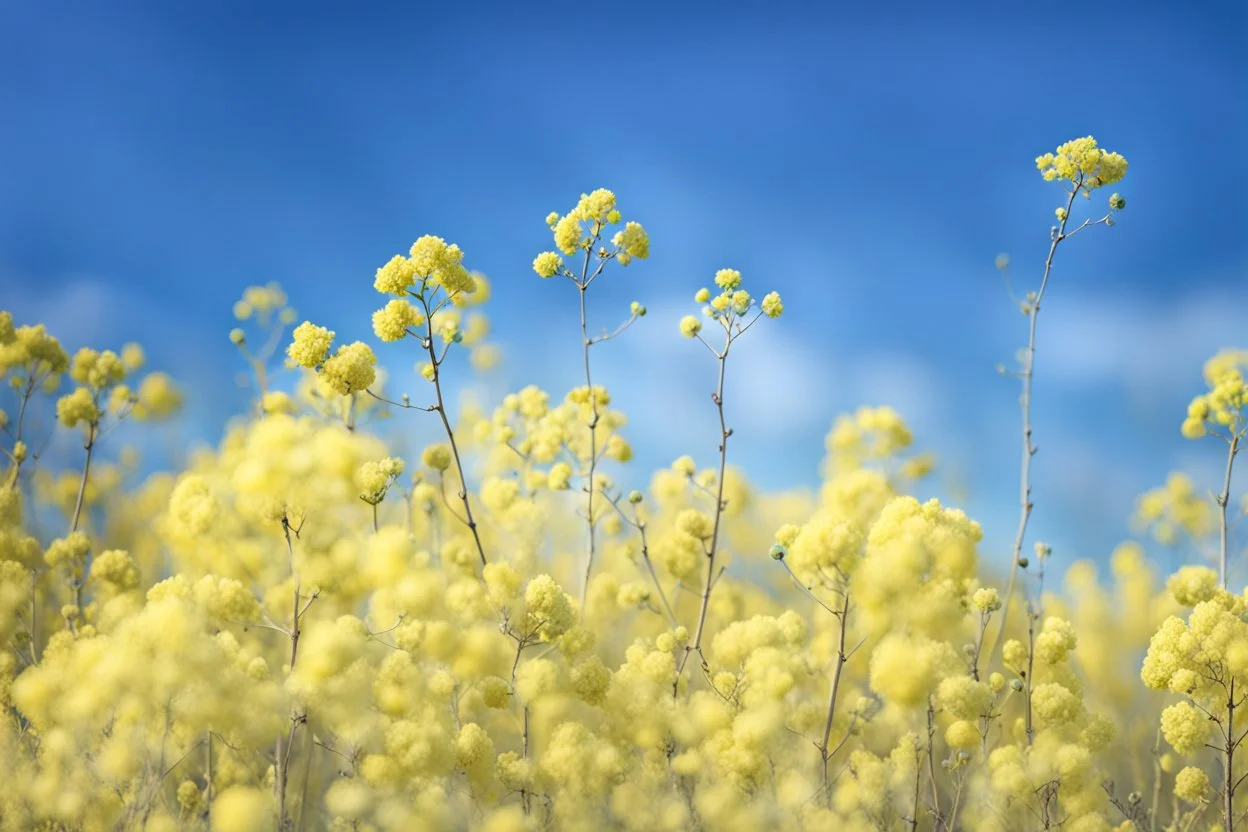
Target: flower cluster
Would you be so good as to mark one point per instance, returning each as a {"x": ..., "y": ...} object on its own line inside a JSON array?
[
  {"x": 1082, "y": 163},
  {"x": 1222, "y": 408}
]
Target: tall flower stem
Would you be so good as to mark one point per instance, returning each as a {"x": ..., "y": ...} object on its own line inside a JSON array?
[
  {"x": 709, "y": 583},
  {"x": 1029, "y": 449},
  {"x": 93, "y": 432},
  {"x": 825, "y": 754},
  {"x": 285, "y": 744},
  {"x": 426, "y": 342},
  {"x": 587, "y": 342},
  {"x": 1222, "y": 499}
]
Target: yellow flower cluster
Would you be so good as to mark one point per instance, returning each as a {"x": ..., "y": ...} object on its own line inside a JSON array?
[
  {"x": 352, "y": 369},
  {"x": 1177, "y": 507},
  {"x": 431, "y": 261},
  {"x": 262, "y": 303},
  {"x": 583, "y": 227},
  {"x": 1082, "y": 163},
  {"x": 1223, "y": 406}
]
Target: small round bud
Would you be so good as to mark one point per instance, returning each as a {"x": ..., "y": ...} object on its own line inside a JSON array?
[
  {"x": 237, "y": 337},
  {"x": 637, "y": 309},
  {"x": 1016, "y": 685},
  {"x": 1024, "y": 563},
  {"x": 1061, "y": 214},
  {"x": 634, "y": 497},
  {"x": 1117, "y": 202},
  {"x": 777, "y": 552}
]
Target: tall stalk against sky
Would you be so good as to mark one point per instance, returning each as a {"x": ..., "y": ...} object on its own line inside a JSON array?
[
  {"x": 581, "y": 232},
  {"x": 1081, "y": 167},
  {"x": 734, "y": 311}
]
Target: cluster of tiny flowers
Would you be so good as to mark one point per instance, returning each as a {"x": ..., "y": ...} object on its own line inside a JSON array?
[
  {"x": 1222, "y": 408},
  {"x": 730, "y": 306},
  {"x": 1173, "y": 509},
  {"x": 352, "y": 369},
  {"x": 584, "y": 227},
  {"x": 1082, "y": 163}
]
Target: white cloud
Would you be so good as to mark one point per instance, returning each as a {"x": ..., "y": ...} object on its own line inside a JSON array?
[
  {"x": 1152, "y": 347},
  {"x": 85, "y": 311}
]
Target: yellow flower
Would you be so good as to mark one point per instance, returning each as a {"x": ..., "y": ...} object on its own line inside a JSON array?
[
  {"x": 547, "y": 264},
  {"x": 392, "y": 321},
  {"x": 78, "y": 407},
  {"x": 728, "y": 279},
  {"x": 771, "y": 305},
  {"x": 396, "y": 276},
  {"x": 1192, "y": 785},
  {"x": 631, "y": 242},
  {"x": 1083, "y": 163},
  {"x": 310, "y": 345},
  {"x": 352, "y": 369}
]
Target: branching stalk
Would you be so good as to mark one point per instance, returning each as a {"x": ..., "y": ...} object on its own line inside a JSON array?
[
  {"x": 440, "y": 407},
  {"x": 593, "y": 437},
  {"x": 842, "y": 619},
  {"x": 1228, "y": 760},
  {"x": 724, "y": 432},
  {"x": 1028, "y": 682},
  {"x": 285, "y": 745},
  {"x": 1224, "y": 498},
  {"x": 89, "y": 446}
]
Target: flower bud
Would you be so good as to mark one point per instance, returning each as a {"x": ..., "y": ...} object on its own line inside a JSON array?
[{"x": 777, "y": 552}]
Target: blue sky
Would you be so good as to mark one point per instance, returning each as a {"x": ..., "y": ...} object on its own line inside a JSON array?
[{"x": 867, "y": 161}]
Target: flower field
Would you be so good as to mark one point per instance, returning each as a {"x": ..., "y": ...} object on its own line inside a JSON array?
[{"x": 514, "y": 628}]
